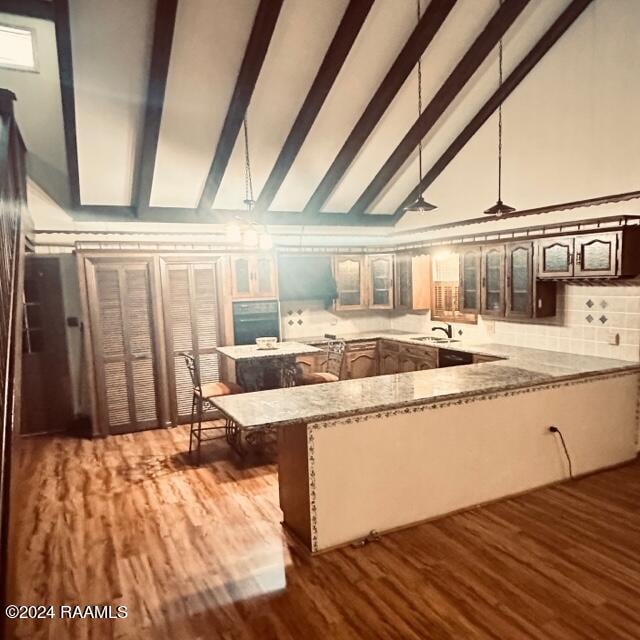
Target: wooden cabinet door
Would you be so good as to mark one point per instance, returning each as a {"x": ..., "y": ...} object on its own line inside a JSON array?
[
  {"x": 191, "y": 325},
  {"x": 492, "y": 295},
  {"x": 263, "y": 275},
  {"x": 406, "y": 363},
  {"x": 469, "y": 296},
  {"x": 351, "y": 283},
  {"x": 555, "y": 258},
  {"x": 519, "y": 280},
  {"x": 402, "y": 285},
  {"x": 388, "y": 363},
  {"x": 122, "y": 327},
  {"x": 361, "y": 364},
  {"x": 241, "y": 277},
  {"x": 597, "y": 254},
  {"x": 380, "y": 269}
]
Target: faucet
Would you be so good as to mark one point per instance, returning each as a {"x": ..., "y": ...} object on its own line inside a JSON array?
[{"x": 448, "y": 330}]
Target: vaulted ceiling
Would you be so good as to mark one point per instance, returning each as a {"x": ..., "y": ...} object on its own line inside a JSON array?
[{"x": 154, "y": 94}]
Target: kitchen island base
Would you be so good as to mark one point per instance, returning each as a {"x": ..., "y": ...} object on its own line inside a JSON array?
[{"x": 341, "y": 479}]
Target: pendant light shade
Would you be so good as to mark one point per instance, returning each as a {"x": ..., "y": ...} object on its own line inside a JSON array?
[
  {"x": 499, "y": 208},
  {"x": 420, "y": 205}
]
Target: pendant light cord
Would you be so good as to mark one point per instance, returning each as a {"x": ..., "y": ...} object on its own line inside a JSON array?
[
  {"x": 419, "y": 100},
  {"x": 248, "y": 182},
  {"x": 500, "y": 119}
]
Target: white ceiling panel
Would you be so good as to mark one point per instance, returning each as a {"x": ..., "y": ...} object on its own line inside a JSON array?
[
  {"x": 301, "y": 38},
  {"x": 209, "y": 42},
  {"x": 569, "y": 131},
  {"x": 524, "y": 33},
  {"x": 111, "y": 45},
  {"x": 383, "y": 35},
  {"x": 466, "y": 21}
]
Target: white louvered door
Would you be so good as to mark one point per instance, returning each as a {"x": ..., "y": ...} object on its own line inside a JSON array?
[
  {"x": 125, "y": 359},
  {"x": 191, "y": 325}
]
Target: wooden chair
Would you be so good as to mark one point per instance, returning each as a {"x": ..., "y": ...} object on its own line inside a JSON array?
[
  {"x": 334, "y": 366},
  {"x": 201, "y": 402}
]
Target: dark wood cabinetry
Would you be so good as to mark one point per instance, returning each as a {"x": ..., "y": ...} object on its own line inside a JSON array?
[
  {"x": 361, "y": 360},
  {"x": 519, "y": 280},
  {"x": 388, "y": 353},
  {"x": 492, "y": 299},
  {"x": 470, "y": 260},
  {"x": 606, "y": 254},
  {"x": 351, "y": 283},
  {"x": 380, "y": 271},
  {"x": 415, "y": 358}
]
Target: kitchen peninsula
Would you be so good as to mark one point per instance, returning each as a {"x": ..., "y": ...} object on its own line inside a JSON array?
[{"x": 427, "y": 443}]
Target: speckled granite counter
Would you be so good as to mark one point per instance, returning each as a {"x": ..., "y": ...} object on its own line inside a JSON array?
[
  {"x": 521, "y": 368},
  {"x": 283, "y": 349}
]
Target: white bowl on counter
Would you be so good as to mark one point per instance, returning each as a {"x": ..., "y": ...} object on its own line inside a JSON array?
[{"x": 269, "y": 342}]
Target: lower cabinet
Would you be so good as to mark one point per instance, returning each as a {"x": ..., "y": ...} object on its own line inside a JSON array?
[
  {"x": 414, "y": 358},
  {"x": 388, "y": 353},
  {"x": 361, "y": 360}
]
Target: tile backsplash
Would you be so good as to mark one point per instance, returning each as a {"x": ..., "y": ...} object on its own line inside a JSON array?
[
  {"x": 309, "y": 318},
  {"x": 587, "y": 318}
]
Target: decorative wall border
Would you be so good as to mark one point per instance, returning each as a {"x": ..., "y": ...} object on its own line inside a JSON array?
[{"x": 314, "y": 426}]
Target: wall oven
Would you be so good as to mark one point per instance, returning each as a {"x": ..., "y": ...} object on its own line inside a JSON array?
[{"x": 255, "y": 319}]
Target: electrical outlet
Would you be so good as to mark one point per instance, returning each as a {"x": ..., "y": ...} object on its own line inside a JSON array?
[
  {"x": 614, "y": 337},
  {"x": 490, "y": 327}
]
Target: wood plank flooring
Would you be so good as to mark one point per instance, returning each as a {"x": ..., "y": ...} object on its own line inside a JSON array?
[{"x": 199, "y": 553}]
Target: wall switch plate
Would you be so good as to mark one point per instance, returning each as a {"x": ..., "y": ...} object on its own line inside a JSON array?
[{"x": 614, "y": 337}]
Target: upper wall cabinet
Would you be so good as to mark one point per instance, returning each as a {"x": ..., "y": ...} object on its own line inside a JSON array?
[
  {"x": 519, "y": 273},
  {"x": 412, "y": 282},
  {"x": 351, "y": 282},
  {"x": 380, "y": 270},
  {"x": 493, "y": 283},
  {"x": 470, "y": 280},
  {"x": 596, "y": 255},
  {"x": 253, "y": 276}
]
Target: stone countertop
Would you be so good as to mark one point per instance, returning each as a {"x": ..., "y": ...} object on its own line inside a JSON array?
[
  {"x": 251, "y": 351},
  {"x": 520, "y": 368}
]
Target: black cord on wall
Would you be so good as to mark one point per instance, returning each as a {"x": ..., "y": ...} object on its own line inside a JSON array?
[{"x": 564, "y": 446}]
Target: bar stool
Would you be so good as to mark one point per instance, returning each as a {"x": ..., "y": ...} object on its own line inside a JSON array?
[
  {"x": 201, "y": 402},
  {"x": 334, "y": 366}
]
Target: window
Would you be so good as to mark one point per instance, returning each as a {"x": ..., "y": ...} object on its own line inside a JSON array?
[{"x": 17, "y": 48}]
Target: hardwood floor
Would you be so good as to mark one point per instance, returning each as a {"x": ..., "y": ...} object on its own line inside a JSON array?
[{"x": 199, "y": 553}]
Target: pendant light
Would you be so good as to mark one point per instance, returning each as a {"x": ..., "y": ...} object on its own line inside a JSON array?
[
  {"x": 250, "y": 234},
  {"x": 420, "y": 205},
  {"x": 499, "y": 208}
]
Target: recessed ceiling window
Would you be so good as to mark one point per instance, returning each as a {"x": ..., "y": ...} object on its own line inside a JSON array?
[{"x": 17, "y": 48}]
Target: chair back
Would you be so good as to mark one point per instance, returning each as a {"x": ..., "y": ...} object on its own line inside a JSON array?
[
  {"x": 194, "y": 372},
  {"x": 335, "y": 357}
]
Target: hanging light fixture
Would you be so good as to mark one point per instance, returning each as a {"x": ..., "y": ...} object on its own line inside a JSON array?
[
  {"x": 420, "y": 205},
  {"x": 249, "y": 233},
  {"x": 499, "y": 208}
]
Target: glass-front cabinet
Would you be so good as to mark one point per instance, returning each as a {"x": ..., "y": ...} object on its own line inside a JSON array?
[
  {"x": 492, "y": 299},
  {"x": 555, "y": 258},
  {"x": 519, "y": 271},
  {"x": 470, "y": 280},
  {"x": 253, "y": 276},
  {"x": 596, "y": 255},
  {"x": 350, "y": 282},
  {"x": 380, "y": 281}
]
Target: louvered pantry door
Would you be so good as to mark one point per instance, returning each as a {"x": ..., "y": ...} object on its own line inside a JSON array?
[
  {"x": 191, "y": 325},
  {"x": 122, "y": 325}
]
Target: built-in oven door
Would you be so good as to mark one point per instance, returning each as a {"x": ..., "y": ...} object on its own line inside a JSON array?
[{"x": 253, "y": 320}]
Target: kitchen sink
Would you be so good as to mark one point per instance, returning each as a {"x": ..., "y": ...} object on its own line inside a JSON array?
[{"x": 436, "y": 339}]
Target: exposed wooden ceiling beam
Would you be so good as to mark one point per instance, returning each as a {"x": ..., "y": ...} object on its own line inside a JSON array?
[
  {"x": 42, "y": 9},
  {"x": 551, "y": 36},
  {"x": 350, "y": 25},
  {"x": 472, "y": 59},
  {"x": 158, "y": 72},
  {"x": 418, "y": 41},
  {"x": 65, "y": 66},
  {"x": 263, "y": 26}
]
